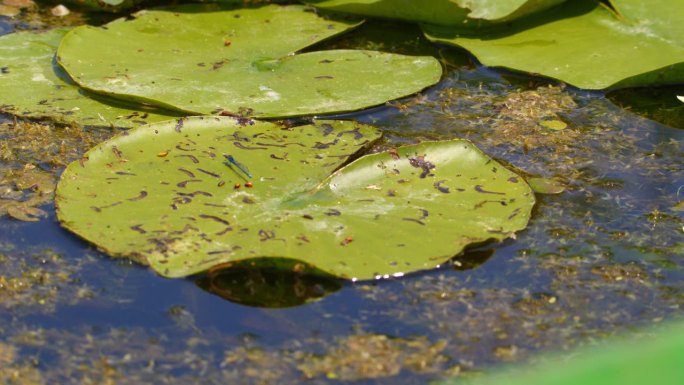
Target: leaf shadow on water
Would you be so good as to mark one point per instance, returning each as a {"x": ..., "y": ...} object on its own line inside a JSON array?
[
  {"x": 269, "y": 283},
  {"x": 281, "y": 283},
  {"x": 497, "y": 31},
  {"x": 659, "y": 104}
]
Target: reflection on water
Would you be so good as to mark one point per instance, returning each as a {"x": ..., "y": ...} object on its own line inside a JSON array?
[
  {"x": 281, "y": 283},
  {"x": 271, "y": 283},
  {"x": 659, "y": 104},
  {"x": 472, "y": 259},
  {"x": 5, "y": 27}
]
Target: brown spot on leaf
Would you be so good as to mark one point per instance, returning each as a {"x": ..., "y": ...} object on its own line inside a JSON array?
[
  {"x": 179, "y": 124},
  {"x": 215, "y": 218},
  {"x": 333, "y": 213},
  {"x": 191, "y": 157},
  {"x": 208, "y": 173},
  {"x": 184, "y": 183},
  {"x": 442, "y": 189},
  {"x": 481, "y": 189},
  {"x": 186, "y": 172},
  {"x": 243, "y": 147},
  {"x": 140, "y": 196},
  {"x": 420, "y": 162}
]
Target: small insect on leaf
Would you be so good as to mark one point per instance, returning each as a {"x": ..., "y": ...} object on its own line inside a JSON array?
[
  {"x": 163, "y": 154},
  {"x": 347, "y": 241},
  {"x": 249, "y": 185},
  {"x": 237, "y": 164},
  {"x": 236, "y": 186}
]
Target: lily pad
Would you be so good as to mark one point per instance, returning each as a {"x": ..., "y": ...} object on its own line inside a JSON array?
[
  {"x": 106, "y": 5},
  {"x": 554, "y": 124},
  {"x": 585, "y": 44},
  {"x": 442, "y": 12},
  {"x": 505, "y": 10},
  {"x": 546, "y": 185},
  {"x": 461, "y": 13},
  {"x": 239, "y": 62},
  {"x": 31, "y": 88},
  {"x": 164, "y": 195}
]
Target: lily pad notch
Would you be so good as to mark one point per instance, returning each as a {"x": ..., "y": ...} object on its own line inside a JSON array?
[{"x": 163, "y": 195}]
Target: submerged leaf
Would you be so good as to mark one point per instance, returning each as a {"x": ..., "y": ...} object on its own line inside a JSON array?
[
  {"x": 554, "y": 124},
  {"x": 23, "y": 211},
  {"x": 586, "y": 44},
  {"x": 546, "y": 185},
  {"x": 385, "y": 214},
  {"x": 31, "y": 88},
  {"x": 679, "y": 206},
  {"x": 238, "y": 62}
]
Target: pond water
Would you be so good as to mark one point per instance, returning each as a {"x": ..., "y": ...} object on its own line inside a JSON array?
[{"x": 605, "y": 256}]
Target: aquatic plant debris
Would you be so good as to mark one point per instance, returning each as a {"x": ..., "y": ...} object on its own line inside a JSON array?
[
  {"x": 585, "y": 44},
  {"x": 436, "y": 197},
  {"x": 31, "y": 87},
  {"x": 204, "y": 59}
]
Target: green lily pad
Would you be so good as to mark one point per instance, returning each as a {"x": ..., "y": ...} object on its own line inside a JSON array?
[
  {"x": 31, "y": 88},
  {"x": 505, "y": 10},
  {"x": 554, "y": 124},
  {"x": 679, "y": 206},
  {"x": 461, "y": 13},
  {"x": 238, "y": 62},
  {"x": 442, "y": 12},
  {"x": 585, "y": 44},
  {"x": 546, "y": 185},
  {"x": 105, "y": 5},
  {"x": 164, "y": 195}
]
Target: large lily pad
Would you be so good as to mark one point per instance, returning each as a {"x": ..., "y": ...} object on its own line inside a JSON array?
[
  {"x": 461, "y": 13},
  {"x": 586, "y": 44},
  {"x": 164, "y": 195},
  {"x": 31, "y": 88},
  {"x": 238, "y": 61}
]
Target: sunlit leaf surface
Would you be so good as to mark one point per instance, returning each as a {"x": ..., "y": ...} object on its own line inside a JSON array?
[
  {"x": 586, "y": 44},
  {"x": 166, "y": 195},
  {"x": 239, "y": 62},
  {"x": 32, "y": 86}
]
